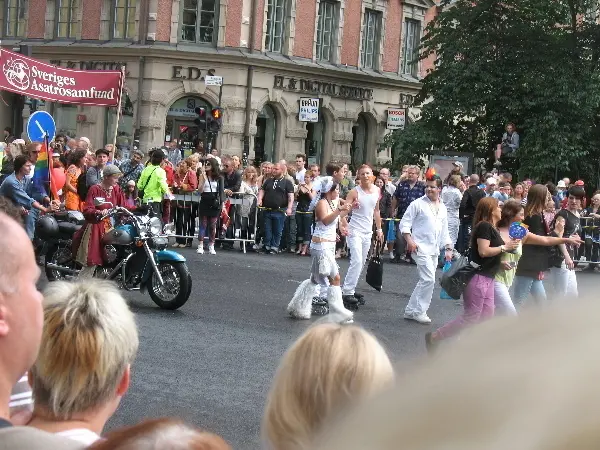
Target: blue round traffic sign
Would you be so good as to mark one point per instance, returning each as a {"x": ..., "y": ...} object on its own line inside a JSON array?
[{"x": 40, "y": 125}]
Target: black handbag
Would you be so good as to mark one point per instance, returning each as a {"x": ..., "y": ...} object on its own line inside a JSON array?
[
  {"x": 141, "y": 192},
  {"x": 374, "y": 276},
  {"x": 215, "y": 200},
  {"x": 455, "y": 280}
]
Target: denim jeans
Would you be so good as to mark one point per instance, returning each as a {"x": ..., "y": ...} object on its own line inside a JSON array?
[
  {"x": 303, "y": 227},
  {"x": 274, "y": 222},
  {"x": 30, "y": 220},
  {"x": 526, "y": 285}
]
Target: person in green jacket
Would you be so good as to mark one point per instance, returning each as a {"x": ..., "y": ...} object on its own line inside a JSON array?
[{"x": 153, "y": 182}]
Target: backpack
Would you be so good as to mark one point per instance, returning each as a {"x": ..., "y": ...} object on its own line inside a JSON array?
[{"x": 82, "y": 187}]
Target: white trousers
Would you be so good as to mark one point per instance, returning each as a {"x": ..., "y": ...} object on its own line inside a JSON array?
[
  {"x": 503, "y": 304},
  {"x": 564, "y": 282},
  {"x": 359, "y": 245},
  {"x": 420, "y": 299}
]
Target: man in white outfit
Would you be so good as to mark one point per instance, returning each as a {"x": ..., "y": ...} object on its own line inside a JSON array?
[
  {"x": 425, "y": 228},
  {"x": 365, "y": 201}
]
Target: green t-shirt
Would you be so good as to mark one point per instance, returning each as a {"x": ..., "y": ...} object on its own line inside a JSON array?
[
  {"x": 504, "y": 276},
  {"x": 153, "y": 180}
]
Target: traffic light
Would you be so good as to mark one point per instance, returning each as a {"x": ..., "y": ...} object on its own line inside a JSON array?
[
  {"x": 201, "y": 119},
  {"x": 217, "y": 120}
]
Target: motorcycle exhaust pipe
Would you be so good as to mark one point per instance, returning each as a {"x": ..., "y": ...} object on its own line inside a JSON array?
[{"x": 62, "y": 269}]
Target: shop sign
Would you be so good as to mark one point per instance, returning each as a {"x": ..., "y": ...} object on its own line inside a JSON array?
[
  {"x": 37, "y": 79},
  {"x": 212, "y": 80},
  {"x": 185, "y": 107},
  {"x": 89, "y": 65},
  {"x": 396, "y": 119},
  {"x": 309, "y": 110},
  {"x": 407, "y": 100},
  {"x": 322, "y": 88},
  {"x": 190, "y": 73}
]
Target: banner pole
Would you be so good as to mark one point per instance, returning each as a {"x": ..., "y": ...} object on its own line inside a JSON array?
[
  {"x": 50, "y": 164},
  {"x": 114, "y": 141}
]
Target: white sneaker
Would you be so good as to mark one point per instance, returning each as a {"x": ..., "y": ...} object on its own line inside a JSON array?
[
  {"x": 421, "y": 318},
  {"x": 200, "y": 250},
  {"x": 392, "y": 256},
  {"x": 211, "y": 250},
  {"x": 176, "y": 245}
]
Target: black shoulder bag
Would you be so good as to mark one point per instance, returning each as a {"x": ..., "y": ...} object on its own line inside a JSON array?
[
  {"x": 215, "y": 200},
  {"x": 141, "y": 192}
]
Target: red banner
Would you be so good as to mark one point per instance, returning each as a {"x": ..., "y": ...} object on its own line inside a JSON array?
[{"x": 37, "y": 79}]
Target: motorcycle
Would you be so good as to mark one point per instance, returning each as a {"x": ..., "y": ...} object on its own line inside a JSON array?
[{"x": 134, "y": 254}]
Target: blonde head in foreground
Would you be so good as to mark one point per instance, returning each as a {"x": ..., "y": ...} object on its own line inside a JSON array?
[
  {"x": 526, "y": 383},
  {"x": 88, "y": 343},
  {"x": 328, "y": 368}
]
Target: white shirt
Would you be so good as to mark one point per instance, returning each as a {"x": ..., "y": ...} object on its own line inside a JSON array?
[
  {"x": 390, "y": 188},
  {"x": 428, "y": 229},
  {"x": 82, "y": 435},
  {"x": 361, "y": 220},
  {"x": 300, "y": 176}
]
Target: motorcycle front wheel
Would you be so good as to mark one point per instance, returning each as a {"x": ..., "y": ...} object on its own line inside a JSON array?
[
  {"x": 177, "y": 285},
  {"x": 60, "y": 256}
]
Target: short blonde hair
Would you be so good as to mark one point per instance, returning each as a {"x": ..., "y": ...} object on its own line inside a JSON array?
[
  {"x": 509, "y": 383},
  {"x": 329, "y": 367},
  {"x": 89, "y": 339}
]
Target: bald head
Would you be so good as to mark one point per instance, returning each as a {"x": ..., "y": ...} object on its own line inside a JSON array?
[
  {"x": 15, "y": 247},
  {"x": 21, "y": 315},
  {"x": 474, "y": 180}
]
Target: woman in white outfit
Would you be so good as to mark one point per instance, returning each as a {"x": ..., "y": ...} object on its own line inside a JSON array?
[
  {"x": 451, "y": 197},
  {"x": 324, "y": 268}
]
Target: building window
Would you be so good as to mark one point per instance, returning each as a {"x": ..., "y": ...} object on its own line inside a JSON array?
[
  {"x": 369, "y": 50},
  {"x": 124, "y": 19},
  {"x": 15, "y": 18},
  {"x": 412, "y": 40},
  {"x": 198, "y": 21},
  {"x": 275, "y": 26},
  {"x": 326, "y": 26},
  {"x": 66, "y": 19}
]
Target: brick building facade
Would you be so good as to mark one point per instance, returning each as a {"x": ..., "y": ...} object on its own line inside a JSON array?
[{"x": 356, "y": 56}]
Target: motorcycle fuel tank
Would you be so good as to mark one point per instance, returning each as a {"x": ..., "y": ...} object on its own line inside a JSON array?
[{"x": 117, "y": 236}]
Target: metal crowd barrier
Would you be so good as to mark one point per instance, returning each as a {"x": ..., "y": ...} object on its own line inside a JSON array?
[
  {"x": 592, "y": 232},
  {"x": 234, "y": 222}
]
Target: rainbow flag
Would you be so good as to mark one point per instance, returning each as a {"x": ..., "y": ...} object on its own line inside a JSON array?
[{"x": 41, "y": 174}]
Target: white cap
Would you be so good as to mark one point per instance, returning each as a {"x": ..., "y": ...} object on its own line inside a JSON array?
[
  {"x": 326, "y": 184},
  {"x": 491, "y": 181},
  {"x": 561, "y": 184},
  {"x": 19, "y": 141},
  {"x": 458, "y": 164}
]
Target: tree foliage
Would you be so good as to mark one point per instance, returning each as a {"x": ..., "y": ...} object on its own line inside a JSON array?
[{"x": 532, "y": 62}]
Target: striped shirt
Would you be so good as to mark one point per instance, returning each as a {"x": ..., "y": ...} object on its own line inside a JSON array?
[{"x": 20, "y": 397}]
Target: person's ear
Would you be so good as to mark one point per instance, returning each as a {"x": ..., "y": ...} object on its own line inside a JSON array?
[
  {"x": 4, "y": 326},
  {"x": 123, "y": 386}
]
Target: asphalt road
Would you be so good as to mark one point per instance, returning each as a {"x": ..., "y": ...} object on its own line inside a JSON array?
[{"x": 211, "y": 362}]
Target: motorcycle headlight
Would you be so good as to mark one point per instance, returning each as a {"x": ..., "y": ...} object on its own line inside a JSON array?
[{"x": 155, "y": 225}]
